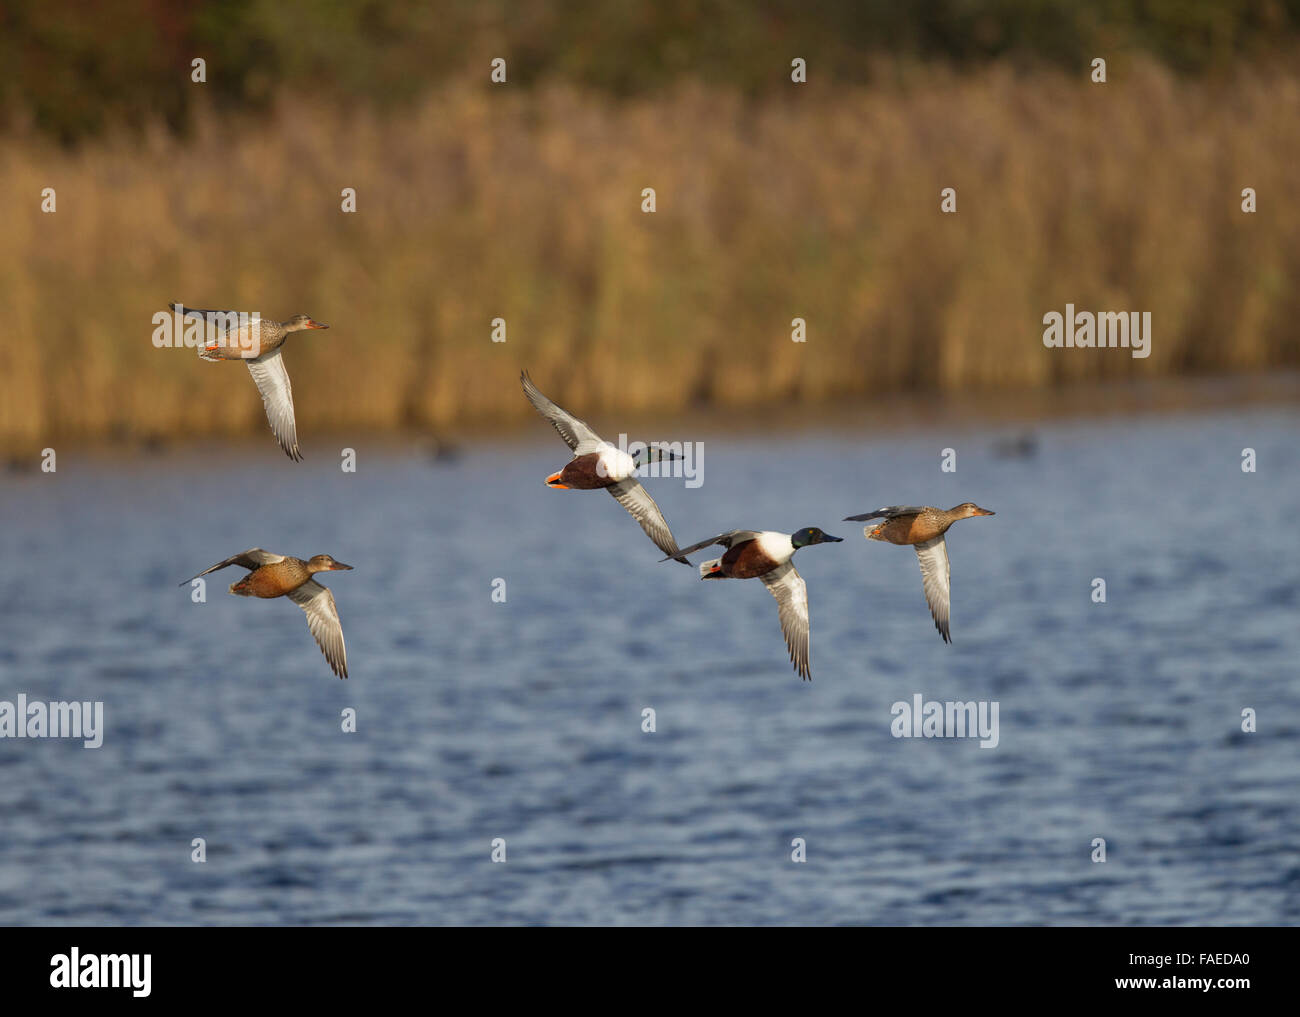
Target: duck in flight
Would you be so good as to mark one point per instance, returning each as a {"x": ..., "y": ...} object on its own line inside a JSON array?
[
  {"x": 597, "y": 464},
  {"x": 275, "y": 575},
  {"x": 923, "y": 527},
  {"x": 257, "y": 343},
  {"x": 767, "y": 555}
]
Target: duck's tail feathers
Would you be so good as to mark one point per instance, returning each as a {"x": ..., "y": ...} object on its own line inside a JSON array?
[{"x": 711, "y": 569}]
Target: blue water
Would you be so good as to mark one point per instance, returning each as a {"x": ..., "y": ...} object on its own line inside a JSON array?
[{"x": 522, "y": 720}]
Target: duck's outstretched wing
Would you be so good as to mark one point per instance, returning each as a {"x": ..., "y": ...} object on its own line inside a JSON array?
[
  {"x": 725, "y": 539},
  {"x": 272, "y": 381},
  {"x": 218, "y": 318},
  {"x": 253, "y": 558},
  {"x": 936, "y": 578},
  {"x": 317, "y": 603},
  {"x": 888, "y": 512},
  {"x": 576, "y": 434},
  {"x": 636, "y": 499},
  {"x": 791, "y": 593}
]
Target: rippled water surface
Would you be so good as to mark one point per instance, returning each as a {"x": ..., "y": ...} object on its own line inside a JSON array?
[{"x": 522, "y": 720}]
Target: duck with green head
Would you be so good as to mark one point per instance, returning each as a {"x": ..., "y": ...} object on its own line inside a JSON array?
[{"x": 766, "y": 555}]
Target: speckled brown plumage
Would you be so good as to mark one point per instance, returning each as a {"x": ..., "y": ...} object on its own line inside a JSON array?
[
  {"x": 274, "y": 580},
  {"x": 274, "y": 575},
  {"x": 244, "y": 342},
  {"x": 258, "y": 346},
  {"x": 923, "y": 527}
]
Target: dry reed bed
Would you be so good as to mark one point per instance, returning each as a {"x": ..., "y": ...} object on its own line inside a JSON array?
[{"x": 483, "y": 203}]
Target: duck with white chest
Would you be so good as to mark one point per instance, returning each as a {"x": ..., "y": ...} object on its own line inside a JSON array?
[
  {"x": 597, "y": 465},
  {"x": 767, "y": 555}
]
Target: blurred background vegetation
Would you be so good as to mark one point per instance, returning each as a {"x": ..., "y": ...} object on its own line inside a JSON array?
[
  {"x": 78, "y": 68},
  {"x": 75, "y": 69},
  {"x": 523, "y": 201}
]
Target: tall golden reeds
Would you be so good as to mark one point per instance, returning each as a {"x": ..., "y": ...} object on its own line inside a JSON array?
[{"x": 487, "y": 202}]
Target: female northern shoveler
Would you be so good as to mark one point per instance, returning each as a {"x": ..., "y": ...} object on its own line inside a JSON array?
[
  {"x": 923, "y": 527},
  {"x": 597, "y": 464},
  {"x": 766, "y": 555},
  {"x": 274, "y": 575},
  {"x": 259, "y": 348}
]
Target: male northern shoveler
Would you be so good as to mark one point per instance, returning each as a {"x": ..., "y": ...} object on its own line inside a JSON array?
[
  {"x": 259, "y": 348},
  {"x": 597, "y": 464},
  {"x": 275, "y": 575},
  {"x": 923, "y": 527},
  {"x": 766, "y": 555}
]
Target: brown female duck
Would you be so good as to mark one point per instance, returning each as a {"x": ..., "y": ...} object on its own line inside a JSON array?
[
  {"x": 257, "y": 343},
  {"x": 275, "y": 575},
  {"x": 923, "y": 527}
]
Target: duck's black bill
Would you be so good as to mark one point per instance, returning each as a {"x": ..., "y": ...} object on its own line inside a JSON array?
[
  {"x": 827, "y": 538},
  {"x": 862, "y": 518}
]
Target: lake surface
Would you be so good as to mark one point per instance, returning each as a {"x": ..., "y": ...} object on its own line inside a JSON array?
[{"x": 522, "y": 720}]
